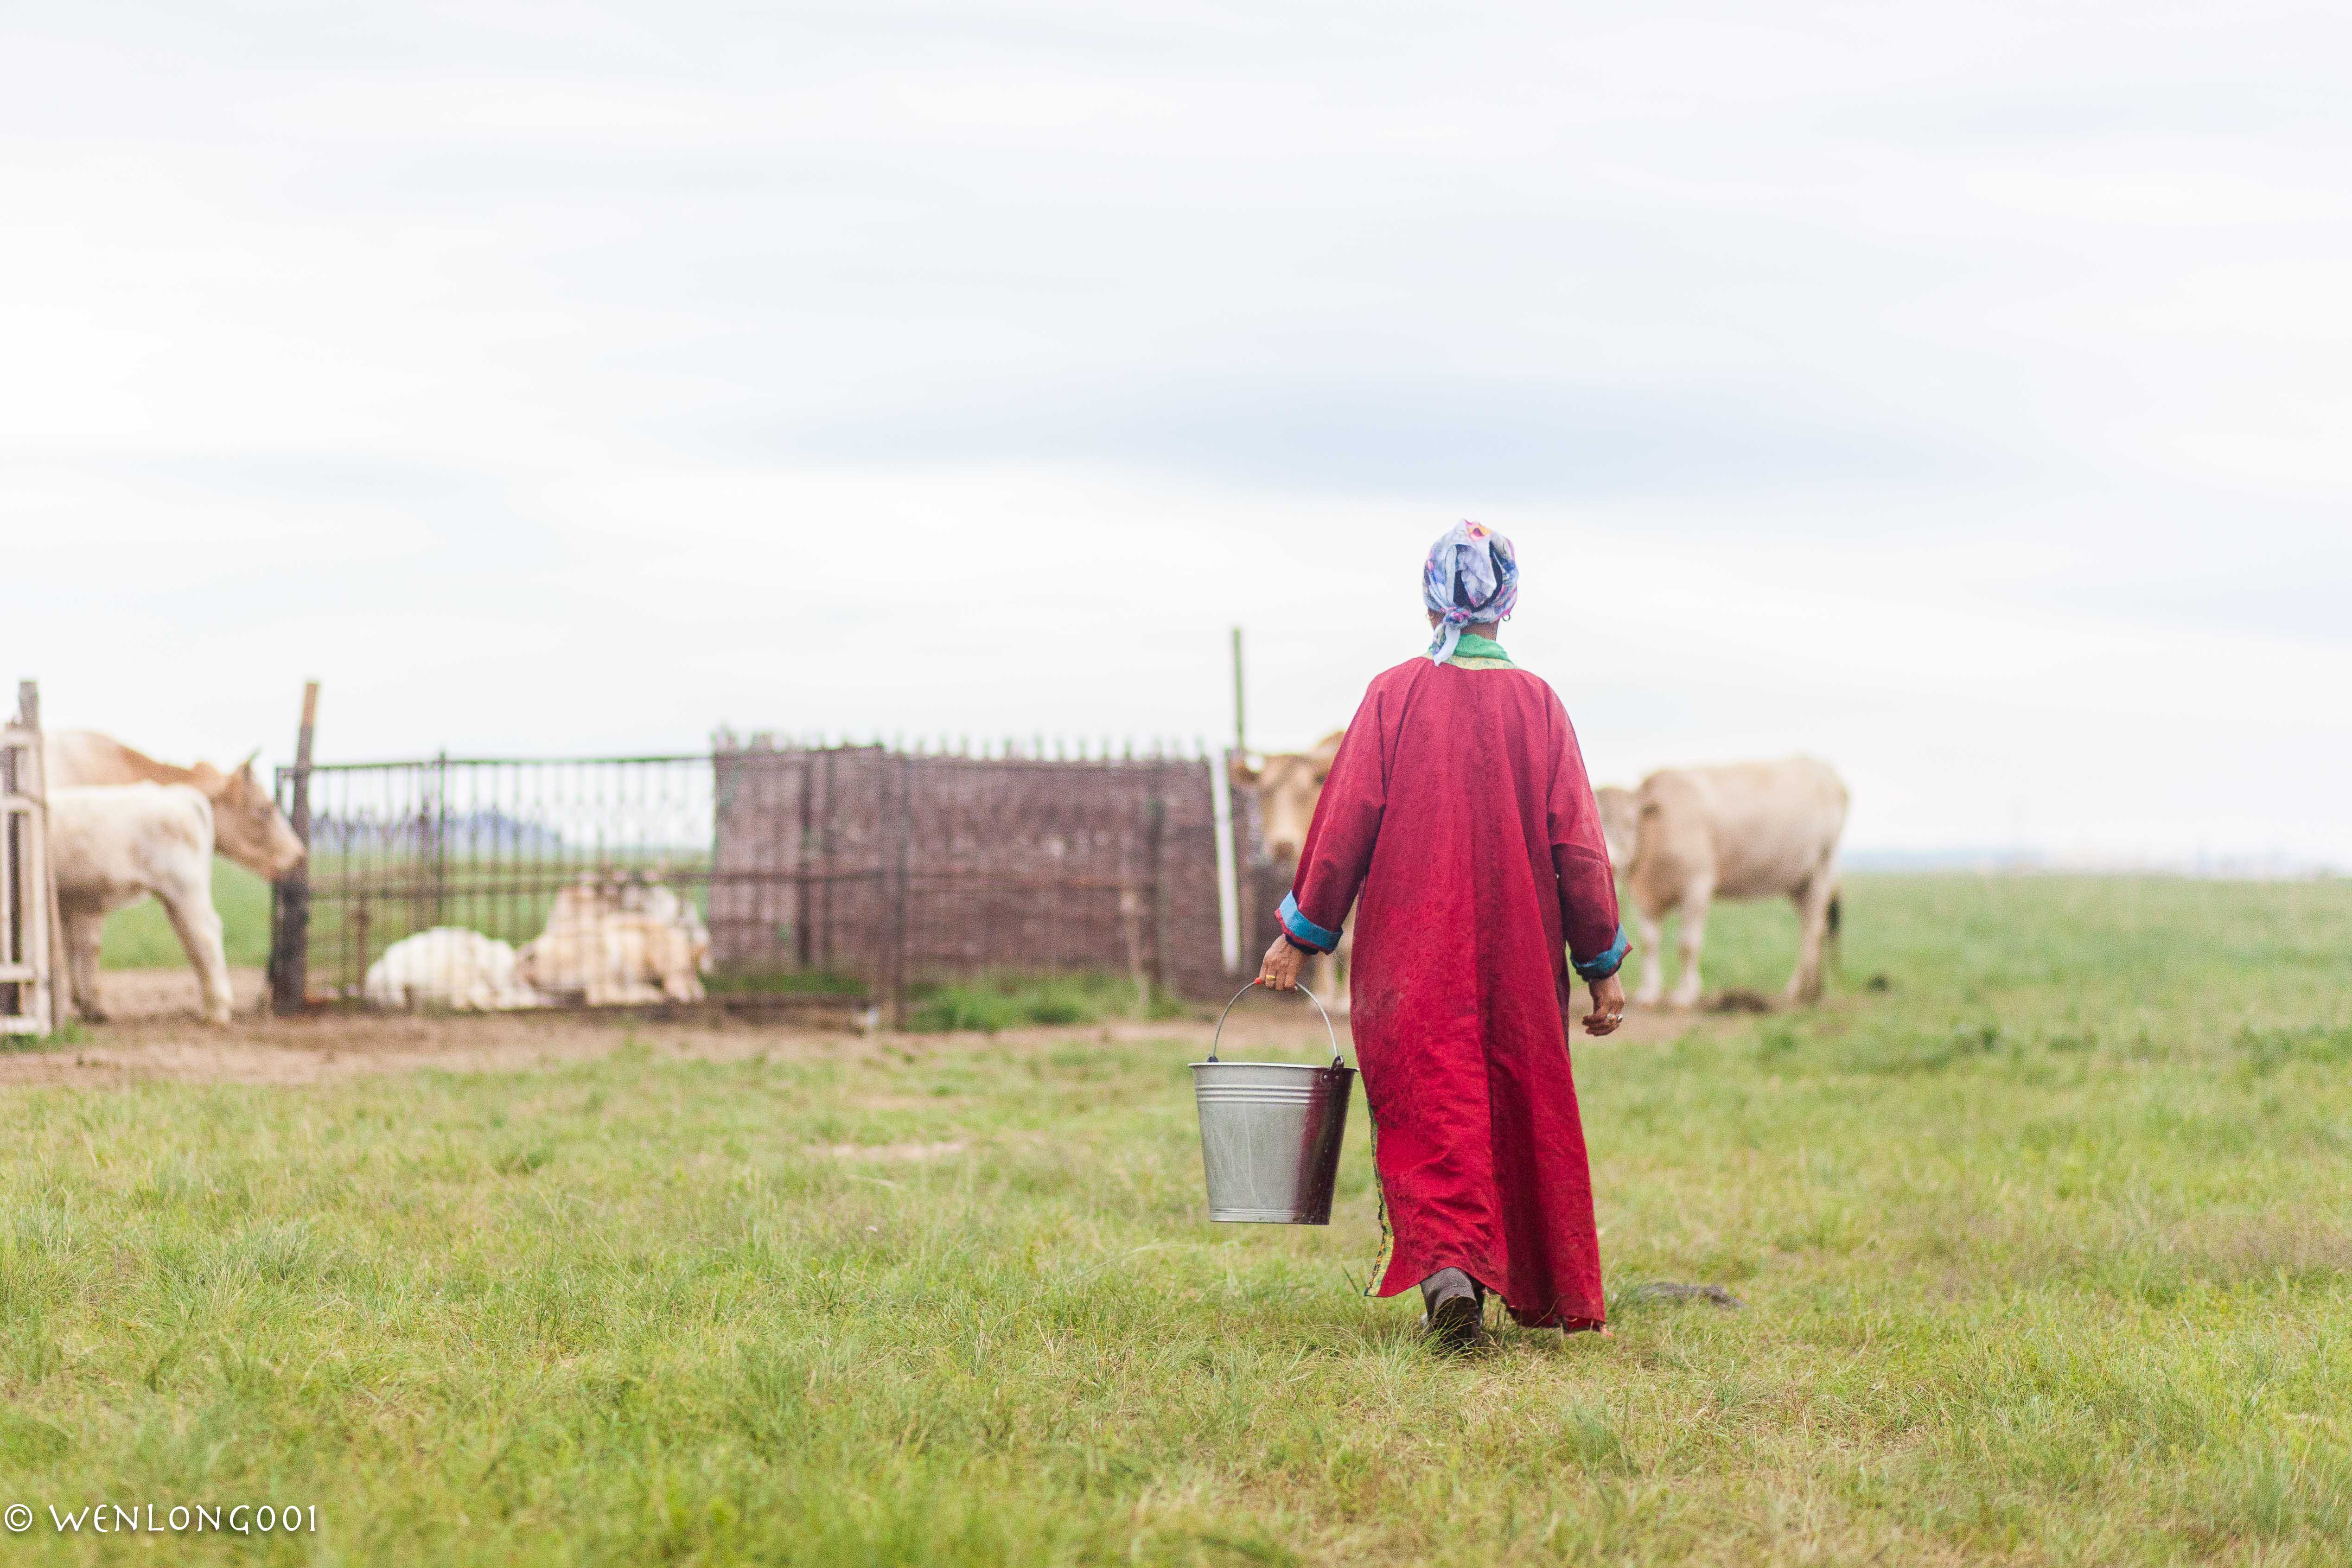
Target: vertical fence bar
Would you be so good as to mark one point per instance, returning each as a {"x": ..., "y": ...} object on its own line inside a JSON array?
[
  {"x": 803, "y": 904},
  {"x": 1155, "y": 852},
  {"x": 290, "y": 948},
  {"x": 825, "y": 858},
  {"x": 901, "y": 834},
  {"x": 439, "y": 857}
]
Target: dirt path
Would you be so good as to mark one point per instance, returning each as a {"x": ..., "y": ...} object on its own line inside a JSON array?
[{"x": 155, "y": 1035}]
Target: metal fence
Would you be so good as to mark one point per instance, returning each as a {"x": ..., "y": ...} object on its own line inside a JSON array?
[{"x": 819, "y": 871}]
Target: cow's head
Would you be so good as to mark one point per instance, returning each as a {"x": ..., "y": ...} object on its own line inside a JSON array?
[
  {"x": 248, "y": 826},
  {"x": 1621, "y": 821},
  {"x": 1288, "y": 785}
]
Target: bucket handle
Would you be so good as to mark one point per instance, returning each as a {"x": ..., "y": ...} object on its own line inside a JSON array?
[{"x": 1328, "y": 1031}]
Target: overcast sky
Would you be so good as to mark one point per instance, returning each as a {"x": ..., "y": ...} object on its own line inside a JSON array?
[{"x": 1958, "y": 391}]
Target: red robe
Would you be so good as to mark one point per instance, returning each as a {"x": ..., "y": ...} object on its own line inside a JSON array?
[{"x": 1459, "y": 822}]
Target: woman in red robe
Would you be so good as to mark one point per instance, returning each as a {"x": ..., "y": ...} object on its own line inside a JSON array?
[{"x": 1459, "y": 826}]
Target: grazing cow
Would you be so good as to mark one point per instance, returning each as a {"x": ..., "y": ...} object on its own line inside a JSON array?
[
  {"x": 1752, "y": 830},
  {"x": 448, "y": 966},
  {"x": 248, "y": 826},
  {"x": 618, "y": 944},
  {"x": 1621, "y": 816},
  {"x": 114, "y": 845},
  {"x": 1288, "y": 785}
]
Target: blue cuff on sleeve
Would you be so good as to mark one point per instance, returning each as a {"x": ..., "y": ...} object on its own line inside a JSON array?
[
  {"x": 1608, "y": 963},
  {"x": 1305, "y": 930}
]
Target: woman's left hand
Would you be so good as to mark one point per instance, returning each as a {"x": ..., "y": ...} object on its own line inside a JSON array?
[
  {"x": 1607, "y": 1007},
  {"x": 1280, "y": 970}
]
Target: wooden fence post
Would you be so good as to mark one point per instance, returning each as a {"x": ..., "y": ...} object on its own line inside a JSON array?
[{"x": 289, "y": 946}]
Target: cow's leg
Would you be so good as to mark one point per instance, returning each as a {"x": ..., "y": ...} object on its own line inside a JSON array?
[
  {"x": 1813, "y": 901},
  {"x": 1654, "y": 964},
  {"x": 189, "y": 902},
  {"x": 85, "y": 934},
  {"x": 1695, "y": 900}
]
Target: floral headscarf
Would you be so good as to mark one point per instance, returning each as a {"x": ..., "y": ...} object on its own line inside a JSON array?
[{"x": 1473, "y": 575}]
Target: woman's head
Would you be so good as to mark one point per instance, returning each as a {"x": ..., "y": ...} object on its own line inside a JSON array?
[{"x": 1472, "y": 578}]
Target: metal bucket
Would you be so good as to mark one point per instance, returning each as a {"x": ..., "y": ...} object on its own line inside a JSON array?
[{"x": 1270, "y": 1132}]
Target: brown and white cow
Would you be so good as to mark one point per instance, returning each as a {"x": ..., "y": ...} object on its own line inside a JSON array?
[
  {"x": 1750, "y": 830},
  {"x": 248, "y": 826},
  {"x": 1288, "y": 785}
]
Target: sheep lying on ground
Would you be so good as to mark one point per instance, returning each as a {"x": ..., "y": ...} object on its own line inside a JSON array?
[{"x": 449, "y": 966}]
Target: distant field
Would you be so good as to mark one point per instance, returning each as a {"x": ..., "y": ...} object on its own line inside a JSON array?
[
  {"x": 2044, "y": 1247},
  {"x": 141, "y": 937}
]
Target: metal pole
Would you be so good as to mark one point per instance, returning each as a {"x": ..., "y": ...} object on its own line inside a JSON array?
[
  {"x": 1229, "y": 892},
  {"x": 1241, "y": 700},
  {"x": 290, "y": 955},
  {"x": 441, "y": 838}
]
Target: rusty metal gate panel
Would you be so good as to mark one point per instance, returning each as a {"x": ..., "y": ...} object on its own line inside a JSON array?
[{"x": 819, "y": 869}]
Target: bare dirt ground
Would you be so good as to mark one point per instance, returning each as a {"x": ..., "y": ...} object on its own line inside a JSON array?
[{"x": 154, "y": 1033}]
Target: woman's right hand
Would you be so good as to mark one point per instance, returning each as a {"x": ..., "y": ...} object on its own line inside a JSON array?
[{"x": 1280, "y": 970}]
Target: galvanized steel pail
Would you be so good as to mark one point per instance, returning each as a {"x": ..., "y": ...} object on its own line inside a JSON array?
[{"x": 1270, "y": 1132}]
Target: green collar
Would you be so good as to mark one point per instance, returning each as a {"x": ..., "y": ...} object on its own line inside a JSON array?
[{"x": 1474, "y": 652}]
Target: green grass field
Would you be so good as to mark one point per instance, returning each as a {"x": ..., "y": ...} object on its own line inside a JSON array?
[{"x": 2043, "y": 1250}]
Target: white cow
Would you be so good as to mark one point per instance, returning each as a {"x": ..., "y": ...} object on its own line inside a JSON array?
[
  {"x": 1751, "y": 830},
  {"x": 115, "y": 844},
  {"x": 448, "y": 966},
  {"x": 1288, "y": 785}
]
